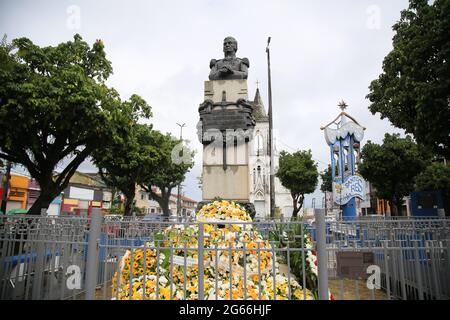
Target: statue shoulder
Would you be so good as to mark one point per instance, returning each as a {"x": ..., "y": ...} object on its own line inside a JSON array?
[
  {"x": 212, "y": 63},
  {"x": 246, "y": 62}
]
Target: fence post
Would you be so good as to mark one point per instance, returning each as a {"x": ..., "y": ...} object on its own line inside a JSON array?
[
  {"x": 40, "y": 258},
  {"x": 92, "y": 254},
  {"x": 201, "y": 269},
  {"x": 322, "y": 257}
]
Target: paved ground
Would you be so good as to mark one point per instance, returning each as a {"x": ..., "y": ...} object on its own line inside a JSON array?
[{"x": 354, "y": 290}]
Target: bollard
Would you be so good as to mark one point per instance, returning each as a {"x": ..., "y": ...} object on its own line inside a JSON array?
[
  {"x": 322, "y": 258},
  {"x": 92, "y": 254}
]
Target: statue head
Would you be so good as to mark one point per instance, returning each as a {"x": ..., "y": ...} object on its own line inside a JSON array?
[{"x": 230, "y": 45}]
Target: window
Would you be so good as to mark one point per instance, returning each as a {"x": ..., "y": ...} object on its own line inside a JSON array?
[
  {"x": 152, "y": 210},
  {"x": 149, "y": 197},
  {"x": 142, "y": 196}
]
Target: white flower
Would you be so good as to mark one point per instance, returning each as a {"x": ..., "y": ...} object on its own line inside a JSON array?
[{"x": 163, "y": 280}]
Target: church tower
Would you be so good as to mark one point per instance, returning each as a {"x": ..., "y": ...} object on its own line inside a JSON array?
[{"x": 259, "y": 166}]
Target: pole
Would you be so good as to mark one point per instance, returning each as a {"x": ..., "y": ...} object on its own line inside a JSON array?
[
  {"x": 179, "y": 185},
  {"x": 6, "y": 187},
  {"x": 272, "y": 176},
  {"x": 322, "y": 257}
]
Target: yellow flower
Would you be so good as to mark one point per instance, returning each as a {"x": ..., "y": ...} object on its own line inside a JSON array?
[
  {"x": 192, "y": 289},
  {"x": 137, "y": 296},
  {"x": 139, "y": 255},
  {"x": 165, "y": 293}
]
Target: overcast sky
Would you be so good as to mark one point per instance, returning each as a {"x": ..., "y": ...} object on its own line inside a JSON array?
[{"x": 322, "y": 51}]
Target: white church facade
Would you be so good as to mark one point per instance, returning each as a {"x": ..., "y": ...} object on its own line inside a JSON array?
[{"x": 259, "y": 168}]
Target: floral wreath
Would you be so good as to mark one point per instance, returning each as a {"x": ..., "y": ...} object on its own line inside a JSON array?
[{"x": 166, "y": 267}]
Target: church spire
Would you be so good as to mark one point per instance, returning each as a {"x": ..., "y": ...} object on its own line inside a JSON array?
[
  {"x": 257, "y": 100},
  {"x": 259, "y": 111}
]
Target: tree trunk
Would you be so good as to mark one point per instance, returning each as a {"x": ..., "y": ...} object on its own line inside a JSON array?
[
  {"x": 298, "y": 204},
  {"x": 164, "y": 204},
  {"x": 129, "y": 200},
  {"x": 393, "y": 207},
  {"x": 42, "y": 202},
  {"x": 163, "y": 199}
]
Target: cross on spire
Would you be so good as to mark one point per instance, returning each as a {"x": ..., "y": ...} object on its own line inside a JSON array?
[{"x": 257, "y": 84}]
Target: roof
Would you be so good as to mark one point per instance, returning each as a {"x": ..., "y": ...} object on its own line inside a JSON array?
[
  {"x": 184, "y": 198},
  {"x": 87, "y": 179}
]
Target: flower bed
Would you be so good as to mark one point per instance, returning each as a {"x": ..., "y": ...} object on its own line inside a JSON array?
[{"x": 238, "y": 263}]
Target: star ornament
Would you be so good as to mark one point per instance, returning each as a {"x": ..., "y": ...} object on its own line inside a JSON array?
[{"x": 343, "y": 105}]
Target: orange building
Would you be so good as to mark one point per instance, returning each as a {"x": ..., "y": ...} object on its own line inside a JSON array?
[{"x": 18, "y": 192}]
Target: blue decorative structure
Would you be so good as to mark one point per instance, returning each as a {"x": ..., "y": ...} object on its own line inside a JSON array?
[{"x": 344, "y": 142}]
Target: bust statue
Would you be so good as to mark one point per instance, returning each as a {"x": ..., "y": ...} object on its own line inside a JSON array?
[{"x": 229, "y": 67}]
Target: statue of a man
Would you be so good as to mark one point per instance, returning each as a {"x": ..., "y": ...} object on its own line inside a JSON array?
[{"x": 230, "y": 67}]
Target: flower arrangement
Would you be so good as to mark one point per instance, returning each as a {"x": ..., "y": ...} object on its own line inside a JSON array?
[{"x": 238, "y": 263}]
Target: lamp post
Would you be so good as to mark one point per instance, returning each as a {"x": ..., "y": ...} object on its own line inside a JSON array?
[
  {"x": 179, "y": 185},
  {"x": 272, "y": 176}
]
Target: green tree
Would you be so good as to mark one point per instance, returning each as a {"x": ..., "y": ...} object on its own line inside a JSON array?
[
  {"x": 298, "y": 173},
  {"x": 55, "y": 109},
  {"x": 413, "y": 90},
  {"x": 175, "y": 160},
  {"x": 392, "y": 167},
  {"x": 126, "y": 162},
  {"x": 327, "y": 183},
  {"x": 436, "y": 177}
]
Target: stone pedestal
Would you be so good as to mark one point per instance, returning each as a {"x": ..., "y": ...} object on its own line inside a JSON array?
[{"x": 225, "y": 128}]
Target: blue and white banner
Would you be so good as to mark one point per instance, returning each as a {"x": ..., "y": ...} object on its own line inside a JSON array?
[{"x": 354, "y": 186}]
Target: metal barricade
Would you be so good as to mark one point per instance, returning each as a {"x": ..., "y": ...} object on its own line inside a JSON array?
[{"x": 88, "y": 258}]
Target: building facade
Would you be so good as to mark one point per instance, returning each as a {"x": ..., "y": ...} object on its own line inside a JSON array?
[
  {"x": 84, "y": 192},
  {"x": 149, "y": 206}
]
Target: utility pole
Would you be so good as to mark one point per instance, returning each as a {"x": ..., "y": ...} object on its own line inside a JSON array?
[
  {"x": 6, "y": 187},
  {"x": 179, "y": 185},
  {"x": 272, "y": 169}
]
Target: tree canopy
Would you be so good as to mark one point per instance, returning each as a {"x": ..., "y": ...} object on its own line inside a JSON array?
[
  {"x": 175, "y": 160},
  {"x": 126, "y": 162},
  {"x": 55, "y": 109},
  {"x": 392, "y": 168},
  {"x": 435, "y": 177},
  {"x": 327, "y": 182},
  {"x": 413, "y": 90},
  {"x": 298, "y": 173}
]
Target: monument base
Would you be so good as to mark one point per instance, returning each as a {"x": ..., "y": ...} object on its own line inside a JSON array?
[{"x": 225, "y": 129}]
